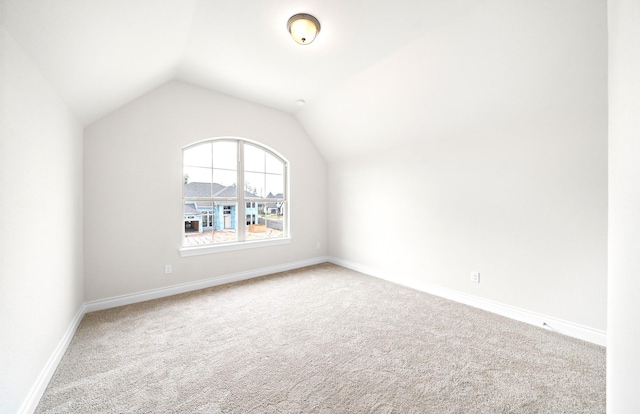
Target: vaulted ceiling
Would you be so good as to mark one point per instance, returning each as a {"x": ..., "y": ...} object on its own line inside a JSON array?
[{"x": 380, "y": 73}]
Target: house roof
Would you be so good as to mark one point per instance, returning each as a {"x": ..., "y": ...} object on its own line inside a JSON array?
[
  {"x": 378, "y": 75},
  {"x": 276, "y": 204},
  {"x": 230, "y": 191},
  {"x": 190, "y": 209},
  {"x": 198, "y": 189}
]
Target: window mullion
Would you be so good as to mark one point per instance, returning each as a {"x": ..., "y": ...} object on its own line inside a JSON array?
[
  {"x": 241, "y": 216},
  {"x": 285, "y": 200}
]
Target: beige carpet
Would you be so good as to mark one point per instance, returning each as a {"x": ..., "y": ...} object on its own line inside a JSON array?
[{"x": 322, "y": 339}]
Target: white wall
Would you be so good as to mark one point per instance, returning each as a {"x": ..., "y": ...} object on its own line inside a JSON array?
[
  {"x": 132, "y": 188},
  {"x": 623, "y": 334},
  {"x": 41, "y": 283},
  {"x": 526, "y": 207},
  {"x": 521, "y": 200}
]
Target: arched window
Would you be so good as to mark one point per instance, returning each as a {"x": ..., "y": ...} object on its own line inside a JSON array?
[{"x": 234, "y": 195}]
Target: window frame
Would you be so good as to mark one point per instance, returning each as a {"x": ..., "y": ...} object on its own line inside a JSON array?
[{"x": 241, "y": 200}]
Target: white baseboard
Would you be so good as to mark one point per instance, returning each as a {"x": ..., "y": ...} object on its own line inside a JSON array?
[
  {"x": 200, "y": 284},
  {"x": 574, "y": 330},
  {"x": 35, "y": 393}
]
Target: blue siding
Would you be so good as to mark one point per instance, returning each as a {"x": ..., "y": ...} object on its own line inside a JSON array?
[{"x": 218, "y": 217}]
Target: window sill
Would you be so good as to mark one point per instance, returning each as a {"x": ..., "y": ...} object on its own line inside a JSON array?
[{"x": 219, "y": 248}]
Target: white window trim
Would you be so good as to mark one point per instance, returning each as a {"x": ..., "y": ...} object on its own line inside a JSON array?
[
  {"x": 228, "y": 247},
  {"x": 241, "y": 244}
]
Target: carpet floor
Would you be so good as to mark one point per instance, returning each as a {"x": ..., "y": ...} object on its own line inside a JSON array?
[{"x": 322, "y": 339}]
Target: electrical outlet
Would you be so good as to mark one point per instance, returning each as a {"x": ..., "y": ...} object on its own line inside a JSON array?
[
  {"x": 475, "y": 277},
  {"x": 168, "y": 269}
]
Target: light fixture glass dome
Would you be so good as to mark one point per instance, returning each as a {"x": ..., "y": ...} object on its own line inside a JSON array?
[{"x": 303, "y": 28}]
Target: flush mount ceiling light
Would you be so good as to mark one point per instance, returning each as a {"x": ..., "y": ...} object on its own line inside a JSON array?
[{"x": 303, "y": 28}]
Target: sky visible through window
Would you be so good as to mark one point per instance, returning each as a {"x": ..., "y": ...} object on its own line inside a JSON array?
[{"x": 263, "y": 173}]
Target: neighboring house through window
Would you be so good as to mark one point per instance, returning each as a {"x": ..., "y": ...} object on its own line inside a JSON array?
[{"x": 212, "y": 203}]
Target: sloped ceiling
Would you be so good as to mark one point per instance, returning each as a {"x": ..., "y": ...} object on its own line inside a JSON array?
[{"x": 380, "y": 73}]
